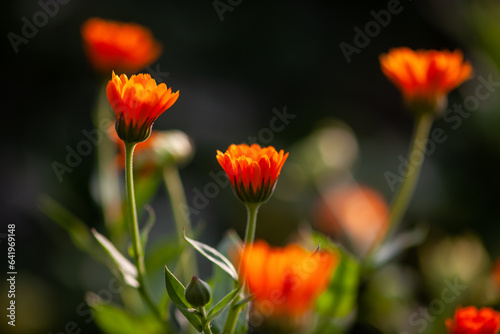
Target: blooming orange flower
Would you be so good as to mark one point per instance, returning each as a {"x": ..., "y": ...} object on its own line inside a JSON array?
[
  {"x": 470, "y": 320},
  {"x": 425, "y": 77},
  {"x": 285, "y": 282},
  {"x": 357, "y": 210},
  {"x": 252, "y": 170},
  {"x": 137, "y": 103},
  {"x": 123, "y": 47}
]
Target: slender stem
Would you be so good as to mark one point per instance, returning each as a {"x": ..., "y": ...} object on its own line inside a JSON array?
[
  {"x": 234, "y": 311},
  {"x": 405, "y": 192},
  {"x": 206, "y": 325},
  {"x": 134, "y": 230},
  {"x": 178, "y": 202}
]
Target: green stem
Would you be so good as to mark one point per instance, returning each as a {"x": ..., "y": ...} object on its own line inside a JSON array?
[
  {"x": 178, "y": 202},
  {"x": 405, "y": 192},
  {"x": 206, "y": 325},
  {"x": 234, "y": 311},
  {"x": 134, "y": 230}
]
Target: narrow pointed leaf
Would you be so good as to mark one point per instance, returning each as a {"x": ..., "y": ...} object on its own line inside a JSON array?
[
  {"x": 213, "y": 255},
  {"x": 175, "y": 291},
  {"x": 221, "y": 305},
  {"x": 127, "y": 270}
]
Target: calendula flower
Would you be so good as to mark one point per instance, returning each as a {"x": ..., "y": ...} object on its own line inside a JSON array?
[
  {"x": 356, "y": 210},
  {"x": 425, "y": 77},
  {"x": 252, "y": 170},
  {"x": 123, "y": 47},
  {"x": 470, "y": 320},
  {"x": 137, "y": 102},
  {"x": 285, "y": 282},
  {"x": 161, "y": 148}
]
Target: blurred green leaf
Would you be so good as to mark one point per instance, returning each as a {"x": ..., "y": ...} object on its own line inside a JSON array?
[
  {"x": 112, "y": 319},
  {"x": 126, "y": 269},
  {"x": 146, "y": 186},
  {"x": 175, "y": 291},
  {"x": 214, "y": 256},
  {"x": 339, "y": 300},
  {"x": 76, "y": 228},
  {"x": 400, "y": 243}
]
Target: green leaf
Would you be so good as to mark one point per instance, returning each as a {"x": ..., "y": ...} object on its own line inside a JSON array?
[
  {"x": 215, "y": 256},
  {"x": 146, "y": 186},
  {"x": 112, "y": 319},
  {"x": 400, "y": 243},
  {"x": 223, "y": 283},
  {"x": 339, "y": 300},
  {"x": 127, "y": 270},
  {"x": 175, "y": 291},
  {"x": 217, "y": 309},
  {"x": 76, "y": 228}
]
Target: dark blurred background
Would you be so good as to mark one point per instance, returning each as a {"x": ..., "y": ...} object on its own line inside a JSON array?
[{"x": 231, "y": 74}]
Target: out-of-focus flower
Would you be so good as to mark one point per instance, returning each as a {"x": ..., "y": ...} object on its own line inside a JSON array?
[
  {"x": 460, "y": 257},
  {"x": 356, "y": 210},
  {"x": 122, "y": 47},
  {"x": 252, "y": 170},
  {"x": 161, "y": 148},
  {"x": 137, "y": 102},
  {"x": 470, "y": 320},
  {"x": 425, "y": 77},
  {"x": 285, "y": 282}
]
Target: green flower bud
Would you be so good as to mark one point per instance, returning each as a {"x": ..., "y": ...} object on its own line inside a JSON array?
[{"x": 198, "y": 292}]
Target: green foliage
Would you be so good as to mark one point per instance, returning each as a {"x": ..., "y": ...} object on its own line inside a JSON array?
[
  {"x": 112, "y": 319},
  {"x": 339, "y": 300},
  {"x": 126, "y": 269}
]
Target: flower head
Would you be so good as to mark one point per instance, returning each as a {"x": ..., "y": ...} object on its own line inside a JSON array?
[
  {"x": 356, "y": 210},
  {"x": 252, "y": 170},
  {"x": 137, "y": 102},
  {"x": 290, "y": 279},
  {"x": 123, "y": 47},
  {"x": 425, "y": 77},
  {"x": 470, "y": 320}
]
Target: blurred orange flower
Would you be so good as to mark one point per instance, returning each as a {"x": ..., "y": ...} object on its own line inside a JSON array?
[
  {"x": 425, "y": 77},
  {"x": 356, "y": 210},
  {"x": 137, "y": 102},
  {"x": 123, "y": 47},
  {"x": 252, "y": 170},
  {"x": 285, "y": 282},
  {"x": 470, "y": 320},
  {"x": 141, "y": 160}
]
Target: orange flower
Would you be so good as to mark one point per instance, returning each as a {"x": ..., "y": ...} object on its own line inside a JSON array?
[
  {"x": 137, "y": 103},
  {"x": 124, "y": 47},
  {"x": 253, "y": 170},
  {"x": 285, "y": 282},
  {"x": 470, "y": 320},
  {"x": 425, "y": 77},
  {"x": 357, "y": 210}
]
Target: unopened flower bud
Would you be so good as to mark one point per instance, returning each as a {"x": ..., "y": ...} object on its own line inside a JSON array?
[{"x": 198, "y": 292}]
